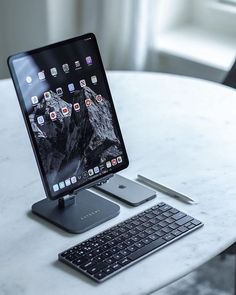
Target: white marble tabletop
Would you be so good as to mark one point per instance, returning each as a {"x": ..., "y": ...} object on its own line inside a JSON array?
[{"x": 180, "y": 131}]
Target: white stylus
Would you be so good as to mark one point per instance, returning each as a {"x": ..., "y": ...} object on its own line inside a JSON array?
[{"x": 164, "y": 189}]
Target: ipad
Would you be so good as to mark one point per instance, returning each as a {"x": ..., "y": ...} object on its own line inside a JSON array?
[{"x": 69, "y": 114}]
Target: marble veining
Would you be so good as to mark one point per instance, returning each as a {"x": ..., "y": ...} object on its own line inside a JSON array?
[{"x": 179, "y": 131}]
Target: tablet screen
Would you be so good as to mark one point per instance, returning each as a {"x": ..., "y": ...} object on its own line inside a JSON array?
[{"x": 68, "y": 109}]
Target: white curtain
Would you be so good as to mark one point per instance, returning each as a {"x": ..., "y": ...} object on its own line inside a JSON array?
[{"x": 125, "y": 29}]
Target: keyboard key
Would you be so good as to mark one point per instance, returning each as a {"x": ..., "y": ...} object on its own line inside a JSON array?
[
  {"x": 134, "y": 231},
  {"x": 117, "y": 256},
  {"x": 142, "y": 235},
  {"x": 168, "y": 237},
  {"x": 135, "y": 239},
  {"x": 161, "y": 204},
  {"x": 169, "y": 220},
  {"x": 183, "y": 229},
  {"x": 106, "y": 254},
  {"x": 96, "y": 268},
  {"x": 153, "y": 221},
  {"x": 160, "y": 233},
  {"x": 98, "y": 258},
  {"x": 156, "y": 227},
  {"x": 139, "y": 244},
  {"x": 78, "y": 261},
  {"x": 195, "y": 222},
  {"x": 87, "y": 265},
  {"x": 147, "y": 224},
  {"x": 110, "y": 260},
  {"x": 71, "y": 257},
  {"x": 146, "y": 241},
  {"x": 118, "y": 240},
  {"x": 178, "y": 215},
  {"x": 167, "y": 229},
  {"x": 173, "y": 226},
  {"x": 191, "y": 226},
  {"x": 127, "y": 235},
  {"x": 108, "y": 270},
  {"x": 140, "y": 227},
  {"x": 167, "y": 214},
  {"x": 111, "y": 243},
  {"x": 114, "y": 250},
  {"x": 142, "y": 251},
  {"x": 109, "y": 237},
  {"x": 143, "y": 219},
  {"x": 150, "y": 215},
  {"x": 116, "y": 266},
  {"x": 153, "y": 237},
  {"x": 174, "y": 211},
  {"x": 124, "y": 252},
  {"x": 136, "y": 222},
  {"x": 176, "y": 232},
  {"x": 163, "y": 223},
  {"x": 124, "y": 261},
  {"x": 184, "y": 220},
  {"x": 161, "y": 217},
  {"x": 132, "y": 248},
  {"x": 148, "y": 211},
  {"x": 149, "y": 231},
  {"x": 157, "y": 212},
  {"x": 105, "y": 247},
  {"x": 100, "y": 275},
  {"x": 64, "y": 254},
  {"x": 122, "y": 230},
  {"x": 97, "y": 251},
  {"x": 121, "y": 246},
  {"x": 165, "y": 208}
]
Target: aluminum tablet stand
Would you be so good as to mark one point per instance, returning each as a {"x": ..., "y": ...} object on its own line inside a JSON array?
[{"x": 77, "y": 212}]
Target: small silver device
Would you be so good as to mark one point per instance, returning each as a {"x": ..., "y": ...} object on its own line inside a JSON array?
[{"x": 127, "y": 190}]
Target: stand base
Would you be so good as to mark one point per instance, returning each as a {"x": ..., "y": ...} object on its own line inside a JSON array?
[{"x": 88, "y": 211}]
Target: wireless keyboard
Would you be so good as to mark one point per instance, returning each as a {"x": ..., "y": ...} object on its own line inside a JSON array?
[{"x": 115, "y": 249}]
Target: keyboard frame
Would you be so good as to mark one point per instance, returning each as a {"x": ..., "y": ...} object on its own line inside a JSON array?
[{"x": 69, "y": 263}]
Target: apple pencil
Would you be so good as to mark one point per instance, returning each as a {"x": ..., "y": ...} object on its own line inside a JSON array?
[{"x": 164, "y": 189}]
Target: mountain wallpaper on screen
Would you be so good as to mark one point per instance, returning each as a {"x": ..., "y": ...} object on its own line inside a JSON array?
[{"x": 78, "y": 140}]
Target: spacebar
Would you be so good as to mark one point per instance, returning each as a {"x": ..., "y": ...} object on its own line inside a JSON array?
[{"x": 148, "y": 248}]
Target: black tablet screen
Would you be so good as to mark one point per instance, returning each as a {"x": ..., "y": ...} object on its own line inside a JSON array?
[{"x": 68, "y": 107}]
